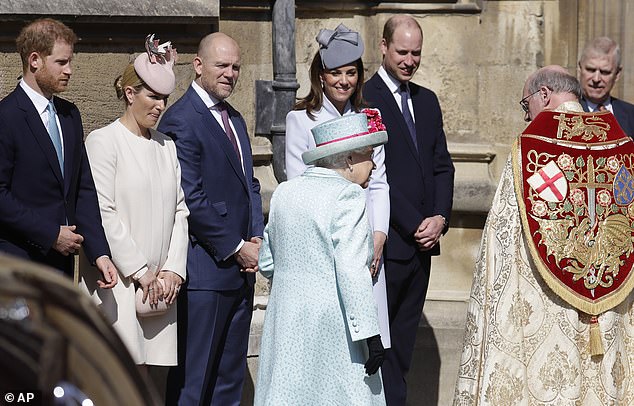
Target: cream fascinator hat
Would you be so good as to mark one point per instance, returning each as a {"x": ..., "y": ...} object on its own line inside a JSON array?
[
  {"x": 346, "y": 133},
  {"x": 154, "y": 66}
]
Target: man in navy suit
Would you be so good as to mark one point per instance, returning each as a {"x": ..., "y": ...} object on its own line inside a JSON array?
[
  {"x": 599, "y": 69},
  {"x": 48, "y": 203},
  {"x": 421, "y": 175},
  {"x": 225, "y": 225}
]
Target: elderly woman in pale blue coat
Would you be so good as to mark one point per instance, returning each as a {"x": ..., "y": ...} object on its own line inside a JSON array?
[{"x": 321, "y": 343}]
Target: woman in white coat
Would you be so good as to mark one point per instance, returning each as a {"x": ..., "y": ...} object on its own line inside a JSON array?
[
  {"x": 320, "y": 341},
  {"x": 143, "y": 211},
  {"x": 336, "y": 77}
]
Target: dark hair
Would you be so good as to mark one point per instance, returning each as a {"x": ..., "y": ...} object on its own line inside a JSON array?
[
  {"x": 40, "y": 36},
  {"x": 315, "y": 98}
]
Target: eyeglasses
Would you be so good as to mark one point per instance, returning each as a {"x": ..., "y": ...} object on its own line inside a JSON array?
[{"x": 524, "y": 101}]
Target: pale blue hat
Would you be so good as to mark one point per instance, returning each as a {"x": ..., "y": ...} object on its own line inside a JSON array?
[{"x": 345, "y": 133}]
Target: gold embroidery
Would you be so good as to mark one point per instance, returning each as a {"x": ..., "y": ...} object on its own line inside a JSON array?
[
  {"x": 558, "y": 373},
  {"x": 618, "y": 372},
  {"x": 587, "y": 227},
  {"x": 503, "y": 389},
  {"x": 586, "y": 127},
  {"x": 520, "y": 311},
  {"x": 594, "y": 255},
  {"x": 464, "y": 398}
]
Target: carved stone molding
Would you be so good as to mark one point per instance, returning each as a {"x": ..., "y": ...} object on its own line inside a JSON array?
[
  {"x": 164, "y": 9},
  {"x": 409, "y": 6},
  {"x": 474, "y": 185}
]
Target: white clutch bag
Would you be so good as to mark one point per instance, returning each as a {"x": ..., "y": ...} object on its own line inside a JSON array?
[{"x": 147, "y": 310}]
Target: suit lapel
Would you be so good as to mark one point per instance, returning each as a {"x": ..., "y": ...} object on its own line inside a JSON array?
[
  {"x": 418, "y": 114},
  {"x": 395, "y": 111},
  {"x": 584, "y": 104},
  {"x": 616, "y": 107},
  {"x": 218, "y": 134},
  {"x": 40, "y": 133},
  {"x": 622, "y": 117},
  {"x": 68, "y": 135}
]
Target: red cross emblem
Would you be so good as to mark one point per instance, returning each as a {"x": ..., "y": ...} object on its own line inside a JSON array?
[{"x": 549, "y": 182}]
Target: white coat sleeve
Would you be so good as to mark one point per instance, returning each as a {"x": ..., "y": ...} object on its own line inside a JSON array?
[
  {"x": 177, "y": 254},
  {"x": 379, "y": 194},
  {"x": 297, "y": 142}
]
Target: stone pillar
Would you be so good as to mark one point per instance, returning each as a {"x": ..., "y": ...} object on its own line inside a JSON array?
[{"x": 284, "y": 80}]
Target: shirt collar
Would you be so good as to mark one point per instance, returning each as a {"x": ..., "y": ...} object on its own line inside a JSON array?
[
  {"x": 40, "y": 102},
  {"x": 593, "y": 106},
  {"x": 332, "y": 110},
  {"x": 569, "y": 107},
  {"x": 392, "y": 84},
  {"x": 208, "y": 99}
]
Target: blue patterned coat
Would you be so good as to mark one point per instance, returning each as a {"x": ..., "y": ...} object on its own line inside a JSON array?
[{"x": 317, "y": 247}]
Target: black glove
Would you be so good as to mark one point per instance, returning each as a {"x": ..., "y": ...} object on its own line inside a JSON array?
[{"x": 376, "y": 354}]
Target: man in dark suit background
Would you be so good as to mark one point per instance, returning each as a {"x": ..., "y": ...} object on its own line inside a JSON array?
[
  {"x": 599, "y": 69},
  {"x": 225, "y": 225},
  {"x": 421, "y": 175},
  {"x": 48, "y": 203}
]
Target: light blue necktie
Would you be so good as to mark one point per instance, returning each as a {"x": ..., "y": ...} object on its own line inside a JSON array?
[
  {"x": 407, "y": 115},
  {"x": 53, "y": 132}
]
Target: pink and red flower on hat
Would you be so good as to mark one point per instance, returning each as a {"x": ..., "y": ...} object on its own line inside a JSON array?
[{"x": 375, "y": 123}]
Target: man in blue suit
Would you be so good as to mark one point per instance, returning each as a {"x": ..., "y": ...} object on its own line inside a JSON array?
[
  {"x": 599, "y": 69},
  {"x": 225, "y": 225},
  {"x": 421, "y": 175},
  {"x": 48, "y": 203}
]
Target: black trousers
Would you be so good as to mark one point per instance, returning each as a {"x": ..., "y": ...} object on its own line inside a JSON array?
[{"x": 407, "y": 283}]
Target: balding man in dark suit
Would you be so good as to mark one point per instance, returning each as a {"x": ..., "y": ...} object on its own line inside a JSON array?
[{"x": 421, "y": 175}]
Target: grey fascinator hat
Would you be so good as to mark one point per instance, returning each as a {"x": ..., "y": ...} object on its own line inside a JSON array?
[{"x": 339, "y": 47}]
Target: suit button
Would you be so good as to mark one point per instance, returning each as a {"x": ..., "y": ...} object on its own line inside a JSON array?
[
  {"x": 354, "y": 324},
  {"x": 356, "y": 329},
  {"x": 352, "y": 317}
]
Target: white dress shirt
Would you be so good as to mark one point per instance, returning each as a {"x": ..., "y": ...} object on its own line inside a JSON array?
[
  {"x": 595, "y": 107},
  {"x": 394, "y": 86},
  {"x": 41, "y": 105}
]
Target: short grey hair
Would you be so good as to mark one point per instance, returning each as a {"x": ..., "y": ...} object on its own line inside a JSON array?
[
  {"x": 338, "y": 160},
  {"x": 556, "y": 81},
  {"x": 602, "y": 46}
]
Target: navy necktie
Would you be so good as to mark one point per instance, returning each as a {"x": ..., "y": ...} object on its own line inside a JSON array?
[
  {"x": 53, "y": 132},
  {"x": 407, "y": 115}
]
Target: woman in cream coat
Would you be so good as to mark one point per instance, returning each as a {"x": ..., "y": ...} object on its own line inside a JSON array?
[
  {"x": 336, "y": 76},
  {"x": 137, "y": 177}
]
